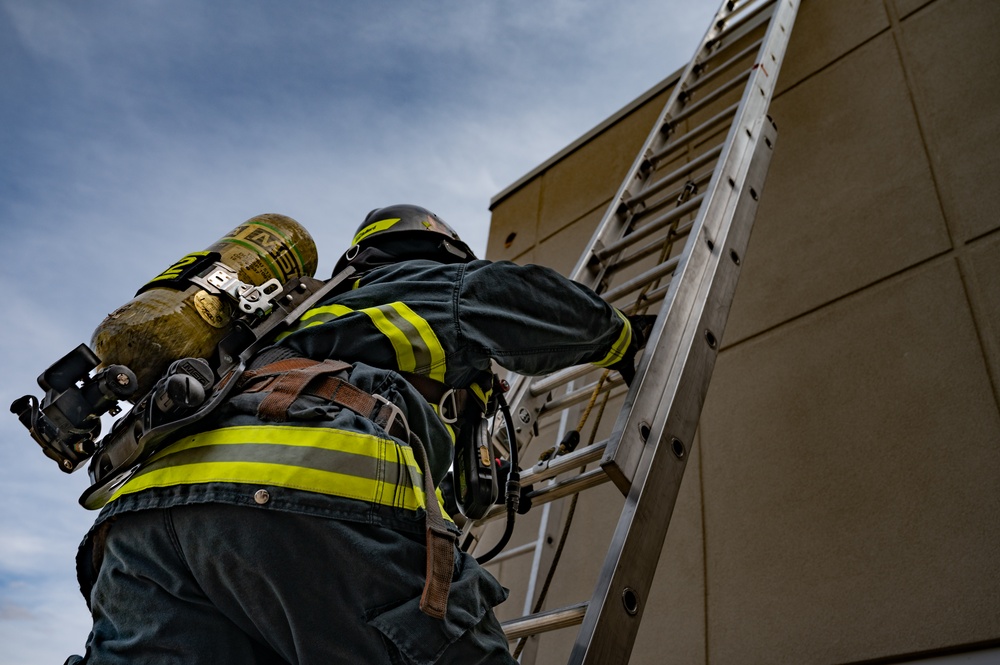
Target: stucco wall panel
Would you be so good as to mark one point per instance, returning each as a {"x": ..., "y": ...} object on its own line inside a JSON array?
[
  {"x": 824, "y": 31},
  {"x": 957, "y": 94},
  {"x": 574, "y": 187},
  {"x": 849, "y": 198},
  {"x": 849, "y": 482},
  {"x": 514, "y": 224}
]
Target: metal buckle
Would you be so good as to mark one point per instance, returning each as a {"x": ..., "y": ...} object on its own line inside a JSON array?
[
  {"x": 395, "y": 413},
  {"x": 448, "y": 399}
]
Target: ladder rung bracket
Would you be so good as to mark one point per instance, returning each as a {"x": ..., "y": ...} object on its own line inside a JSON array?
[
  {"x": 544, "y": 621},
  {"x": 652, "y": 297},
  {"x": 665, "y": 202}
]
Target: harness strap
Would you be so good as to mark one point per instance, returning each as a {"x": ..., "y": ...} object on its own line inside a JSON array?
[
  {"x": 440, "y": 544},
  {"x": 286, "y": 380}
]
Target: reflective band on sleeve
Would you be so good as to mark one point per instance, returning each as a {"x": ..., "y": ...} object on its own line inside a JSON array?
[
  {"x": 620, "y": 346},
  {"x": 414, "y": 342},
  {"x": 380, "y": 225},
  {"x": 417, "y": 348}
]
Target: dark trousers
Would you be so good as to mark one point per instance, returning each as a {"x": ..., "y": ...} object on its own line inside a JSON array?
[{"x": 223, "y": 584}]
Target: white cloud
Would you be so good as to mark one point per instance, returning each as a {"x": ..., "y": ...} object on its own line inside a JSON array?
[{"x": 146, "y": 129}]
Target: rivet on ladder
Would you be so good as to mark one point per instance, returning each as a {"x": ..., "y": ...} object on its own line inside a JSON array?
[
  {"x": 644, "y": 430},
  {"x": 630, "y": 599},
  {"x": 677, "y": 448}
]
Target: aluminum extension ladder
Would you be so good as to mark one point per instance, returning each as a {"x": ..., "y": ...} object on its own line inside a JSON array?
[{"x": 670, "y": 243}]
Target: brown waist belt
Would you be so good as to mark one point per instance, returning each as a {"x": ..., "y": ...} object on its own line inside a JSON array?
[{"x": 285, "y": 380}]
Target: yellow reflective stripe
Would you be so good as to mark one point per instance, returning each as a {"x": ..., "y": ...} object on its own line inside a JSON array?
[
  {"x": 286, "y": 475},
  {"x": 437, "y": 360},
  {"x": 400, "y": 343},
  {"x": 262, "y": 473},
  {"x": 483, "y": 395},
  {"x": 417, "y": 347},
  {"x": 333, "y": 310},
  {"x": 319, "y": 315},
  {"x": 380, "y": 225},
  {"x": 618, "y": 349}
]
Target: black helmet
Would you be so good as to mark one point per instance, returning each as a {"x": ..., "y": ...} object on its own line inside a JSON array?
[{"x": 408, "y": 232}]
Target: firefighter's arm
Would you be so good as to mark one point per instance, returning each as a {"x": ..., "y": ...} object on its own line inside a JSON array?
[{"x": 533, "y": 320}]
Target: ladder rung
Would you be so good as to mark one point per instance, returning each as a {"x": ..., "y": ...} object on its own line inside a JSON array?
[
  {"x": 650, "y": 227},
  {"x": 554, "y": 491},
  {"x": 560, "y": 378},
  {"x": 677, "y": 197},
  {"x": 651, "y": 297},
  {"x": 732, "y": 84},
  {"x": 553, "y": 467},
  {"x": 683, "y": 139},
  {"x": 581, "y": 395},
  {"x": 514, "y": 552},
  {"x": 533, "y": 624},
  {"x": 677, "y": 174},
  {"x": 648, "y": 277},
  {"x": 742, "y": 18},
  {"x": 651, "y": 247},
  {"x": 716, "y": 71}
]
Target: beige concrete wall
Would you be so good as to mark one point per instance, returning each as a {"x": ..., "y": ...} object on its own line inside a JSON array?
[{"x": 843, "y": 501}]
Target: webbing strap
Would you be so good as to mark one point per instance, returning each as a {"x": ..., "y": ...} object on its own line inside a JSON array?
[
  {"x": 294, "y": 377},
  {"x": 440, "y": 543}
]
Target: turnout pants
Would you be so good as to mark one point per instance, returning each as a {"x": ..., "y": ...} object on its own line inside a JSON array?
[{"x": 216, "y": 583}]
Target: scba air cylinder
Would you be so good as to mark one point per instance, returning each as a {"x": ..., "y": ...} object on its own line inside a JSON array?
[{"x": 172, "y": 318}]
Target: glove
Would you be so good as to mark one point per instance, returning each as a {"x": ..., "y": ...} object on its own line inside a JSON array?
[{"x": 642, "y": 325}]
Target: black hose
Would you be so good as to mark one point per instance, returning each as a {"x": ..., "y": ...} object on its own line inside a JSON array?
[{"x": 513, "y": 489}]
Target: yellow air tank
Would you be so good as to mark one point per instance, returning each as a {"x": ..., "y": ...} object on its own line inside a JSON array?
[{"x": 171, "y": 318}]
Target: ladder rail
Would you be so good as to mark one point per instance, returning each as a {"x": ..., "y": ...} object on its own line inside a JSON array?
[
  {"x": 660, "y": 424},
  {"x": 696, "y": 218},
  {"x": 526, "y": 405}
]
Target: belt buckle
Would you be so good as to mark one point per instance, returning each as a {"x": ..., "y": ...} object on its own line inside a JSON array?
[{"x": 395, "y": 414}]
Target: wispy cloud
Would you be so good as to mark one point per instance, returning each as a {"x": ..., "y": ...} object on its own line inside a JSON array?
[{"x": 135, "y": 131}]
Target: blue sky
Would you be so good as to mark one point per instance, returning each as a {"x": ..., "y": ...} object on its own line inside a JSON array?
[{"x": 135, "y": 131}]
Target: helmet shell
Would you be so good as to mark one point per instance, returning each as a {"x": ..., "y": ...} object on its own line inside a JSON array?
[{"x": 396, "y": 220}]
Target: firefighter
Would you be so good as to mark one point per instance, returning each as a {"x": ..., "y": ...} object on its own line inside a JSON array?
[{"x": 304, "y": 523}]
